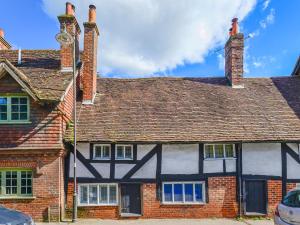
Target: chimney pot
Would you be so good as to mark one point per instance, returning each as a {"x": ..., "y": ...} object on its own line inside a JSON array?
[
  {"x": 92, "y": 14},
  {"x": 70, "y": 9},
  {"x": 1, "y": 33},
  {"x": 235, "y": 26}
]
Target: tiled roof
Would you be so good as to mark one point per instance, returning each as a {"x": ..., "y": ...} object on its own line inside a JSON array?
[
  {"x": 42, "y": 68},
  {"x": 192, "y": 109}
]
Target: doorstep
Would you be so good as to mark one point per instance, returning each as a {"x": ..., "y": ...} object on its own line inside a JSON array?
[{"x": 129, "y": 215}]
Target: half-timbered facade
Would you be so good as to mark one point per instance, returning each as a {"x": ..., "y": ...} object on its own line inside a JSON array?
[{"x": 147, "y": 148}]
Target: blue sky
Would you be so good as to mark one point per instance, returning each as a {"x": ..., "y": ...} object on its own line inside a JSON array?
[{"x": 272, "y": 51}]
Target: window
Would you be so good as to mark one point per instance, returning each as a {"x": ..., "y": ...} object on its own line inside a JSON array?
[
  {"x": 98, "y": 194},
  {"x": 102, "y": 152},
  {"x": 15, "y": 183},
  {"x": 292, "y": 199},
  {"x": 124, "y": 152},
  {"x": 219, "y": 151},
  {"x": 183, "y": 192},
  {"x": 14, "y": 109}
]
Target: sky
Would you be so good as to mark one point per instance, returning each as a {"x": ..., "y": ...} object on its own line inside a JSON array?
[{"x": 185, "y": 38}]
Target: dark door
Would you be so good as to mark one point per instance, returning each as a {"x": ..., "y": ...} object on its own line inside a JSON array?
[
  {"x": 130, "y": 198},
  {"x": 256, "y": 196}
]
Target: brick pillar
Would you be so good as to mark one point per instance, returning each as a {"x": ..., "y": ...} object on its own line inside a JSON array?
[
  {"x": 234, "y": 51},
  {"x": 89, "y": 78},
  {"x": 68, "y": 21},
  {"x": 274, "y": 195}
]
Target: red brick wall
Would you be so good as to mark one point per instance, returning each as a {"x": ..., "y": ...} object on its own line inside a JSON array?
[
  {"x": 47, "y": 181},
  {"x": 222, "y": 202},
  {"x": 274, "y": 195}
]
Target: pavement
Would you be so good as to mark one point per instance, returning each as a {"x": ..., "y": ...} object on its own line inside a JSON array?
[{"x": 168, "y": 222}]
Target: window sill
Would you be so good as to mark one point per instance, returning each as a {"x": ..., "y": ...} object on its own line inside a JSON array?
[
  {"x": 182, "y": 203},
  {"x": 96, "y": 205},
  {"x": 15, "y": 123},
  {"x": 212, "y": 159},
  {"x": 17, "y": 197}
]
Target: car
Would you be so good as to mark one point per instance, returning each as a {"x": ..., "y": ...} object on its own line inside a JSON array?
[
  {"x": 13, "y": 217},
  {"x": 288, "y": 211}
]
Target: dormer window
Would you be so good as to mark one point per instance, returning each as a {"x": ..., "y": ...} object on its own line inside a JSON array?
[{"x": 14, "y": 109}]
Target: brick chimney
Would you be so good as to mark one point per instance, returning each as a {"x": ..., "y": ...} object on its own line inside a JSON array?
[
  {"x": 234, "y": 53},
  {"x": 4, "y": 45},
  {"x": 68, "y": 21},
  {"x": 89, "y": 77}
]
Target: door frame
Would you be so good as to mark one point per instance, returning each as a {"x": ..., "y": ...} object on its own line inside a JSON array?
[
  {"x": 265, "y": 181},
  {"x": 120, "y": 196}
]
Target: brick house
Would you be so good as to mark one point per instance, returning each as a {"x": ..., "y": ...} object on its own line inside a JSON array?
[{"x": 147, "y": 148}]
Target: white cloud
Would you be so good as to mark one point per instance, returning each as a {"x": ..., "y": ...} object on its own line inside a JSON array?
[
  {"x": 268, "y": 20},
  {"x": 266, "y": 4},
  {"x": 148, "y": 36}
]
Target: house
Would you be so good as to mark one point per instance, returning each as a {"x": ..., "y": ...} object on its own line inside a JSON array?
[{"x": 147, "y": 148}]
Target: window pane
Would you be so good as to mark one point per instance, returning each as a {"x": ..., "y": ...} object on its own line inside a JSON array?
[
  {"x": 11, "y": 182},
  {"x": 15, "y": 116},
  {"x": 98, "y": 152},
  {"x": 3, "y": 116},
  {"x": 3, "y": 108},
  {"x": 112, "y": 194},
  {"x": 106, "y": 152},
  {"x": 83, "y": 194},
  {"x": 0, "y": 183},
  {"x": 103, "y": 194},
  {"x": 229, "y": 151},
  {"x": 93, "y": 194},
  {"x": 3, "y": 101},
  {"x": 128, "y": 152},
  {"x": 198, "y": 193},
  {"x": 23, "y": 108},
  {"x": 23, "y": 116},
  {"x": 23, "y": 101},
  {"x": 14, "y": 100},
  {"x": 15, "y": 108},
  {"x": 219, "y": 151},
  {"x": 168, "y": 192},
  {"x": 120, "y": 152},
  {"x": 178, "y": 193},
  {"x": 209, "y": 151},
  {"x": 189, "y": 192}
]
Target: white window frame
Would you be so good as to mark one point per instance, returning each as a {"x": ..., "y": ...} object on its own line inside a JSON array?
[
  {"x": 9, "y": 111},
  {"x": 224, "y": 151},
  {"x": 98, "y": 187},
  {"x": 101, "y": 145},
  {"x": 194, "y": 202},
  {"x": 124, "y": 158}
]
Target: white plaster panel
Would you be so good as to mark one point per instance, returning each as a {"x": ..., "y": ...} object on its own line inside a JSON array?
[
  {"x": 230, "y": 165},
  {"x": 293, "y": 168},
  {"x": 148, "y": 170},
  {"x": 122, "y": 169},
  {"x": 81, "y": 170},
  {"x": 102, "y": 168},
  {"x": 262, "y": 159},
  {"x": 213, "y": 166},
  {"x": 142, "y": 150},
  {"x": 180, "y": 159},
  {"x": 84, "y": 149},
  {"x": 294, "y": 147}
]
